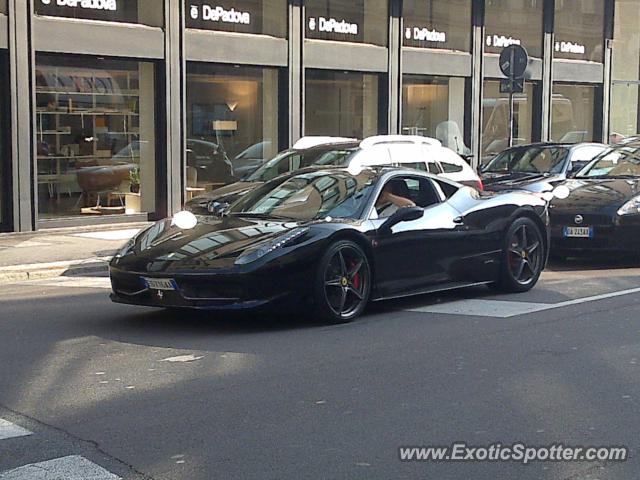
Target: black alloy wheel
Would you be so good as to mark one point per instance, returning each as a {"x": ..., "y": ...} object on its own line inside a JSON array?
[
  {"x": 343, "y": 282},
  {"x": 524, "y": 257}
]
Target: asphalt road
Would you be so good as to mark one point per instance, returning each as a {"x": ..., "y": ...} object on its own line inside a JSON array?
[{"x": 140, "y": 393}]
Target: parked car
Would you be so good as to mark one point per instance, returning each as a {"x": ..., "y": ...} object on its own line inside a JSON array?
[
  {"x": 209, "y": 161},
  {"x": 421, "y": 153},
  {"x": 537, "y": 167},
  {"x": 247, "y": 161},
  {"x": 602, "y": 210},
  {"x": 327, "y": 238}
]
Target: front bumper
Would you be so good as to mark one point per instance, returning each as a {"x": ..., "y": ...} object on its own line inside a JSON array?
[
  {"x": 200, "y": 291},
  {"x": 607, "y": 238}
]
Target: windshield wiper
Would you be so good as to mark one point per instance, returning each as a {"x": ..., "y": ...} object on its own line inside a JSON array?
[{"x": 259, "y": 215}]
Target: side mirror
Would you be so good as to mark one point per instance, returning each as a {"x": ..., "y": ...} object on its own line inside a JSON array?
[{"x": 406, "y": 214}]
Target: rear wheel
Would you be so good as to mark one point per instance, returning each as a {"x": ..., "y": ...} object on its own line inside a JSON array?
[
  {"x": 342, "y": 283},
  {"x": 523, "y": 257}
]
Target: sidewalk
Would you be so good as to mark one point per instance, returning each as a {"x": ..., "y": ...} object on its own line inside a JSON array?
[{"x": 68, "y": 251}]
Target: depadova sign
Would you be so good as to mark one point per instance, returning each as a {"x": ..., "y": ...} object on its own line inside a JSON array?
[{"x": 85, "y": 4}]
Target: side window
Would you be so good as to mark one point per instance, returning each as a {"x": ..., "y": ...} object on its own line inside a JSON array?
[
  {"x": 402, "y": 192},
  {"x": 447, "y": 188},
  {"x": 448, "y": 167},
  {"x": 434, "y": 168},
  {"x": 417, "y": 165}
]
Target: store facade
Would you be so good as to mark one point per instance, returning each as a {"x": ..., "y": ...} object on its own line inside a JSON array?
[{"x": 119, "y": 111}]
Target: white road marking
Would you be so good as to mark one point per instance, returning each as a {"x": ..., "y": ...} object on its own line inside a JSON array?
[
  {"x": 182, "y": 358},
  {"x": 73, "y": 282},
  {"x": 110, "y": 234},
  {"x": 11, "y": 430},
  {"x": 73, "y": 467},
  {"x": 506, "y": 309}
]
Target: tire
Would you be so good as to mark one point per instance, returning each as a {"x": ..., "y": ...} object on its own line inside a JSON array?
[
  {"x": 523, "y": 257},
  {"x": 342, "y": 283}
]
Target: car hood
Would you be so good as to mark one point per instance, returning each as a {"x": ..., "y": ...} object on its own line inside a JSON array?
[
  {"x": 212, "y": 244},
  {"x": 534, "y": 182},
  {"x": 597, "y": 195}
]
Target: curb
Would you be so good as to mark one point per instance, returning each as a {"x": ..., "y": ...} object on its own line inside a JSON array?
[{"x": 21, "y": 273}]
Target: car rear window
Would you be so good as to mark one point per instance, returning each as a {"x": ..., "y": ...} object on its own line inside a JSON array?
[{"x": 448, "y": 167}]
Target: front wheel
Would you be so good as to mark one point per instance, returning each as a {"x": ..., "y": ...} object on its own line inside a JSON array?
[
  {"x": 342, "y": 283},
  {"x": 523, "y": 257}
]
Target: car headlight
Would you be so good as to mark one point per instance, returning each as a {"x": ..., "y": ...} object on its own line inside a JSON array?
[
  {"x": 631, "y": 207},
  {"x": 254, "y": 254}
]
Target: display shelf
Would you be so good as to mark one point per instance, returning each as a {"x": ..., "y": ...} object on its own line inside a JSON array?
[
  {"x": 80, "y": 113},
  {"x": 121, "y": 93}
]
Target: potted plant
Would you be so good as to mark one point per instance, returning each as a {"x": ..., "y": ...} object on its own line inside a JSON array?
[{"x": 134, "y": 180}]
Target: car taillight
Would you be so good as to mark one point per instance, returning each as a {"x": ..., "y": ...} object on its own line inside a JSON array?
[{"x": 480, "y": 185}]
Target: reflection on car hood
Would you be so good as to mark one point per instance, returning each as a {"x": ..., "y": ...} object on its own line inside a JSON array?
[
  {"x": 213, "y": 243},
  {"x": 534, "y": 182},
  {"x": 227, "y": 194},
  {"x": 595, "y": 195}
]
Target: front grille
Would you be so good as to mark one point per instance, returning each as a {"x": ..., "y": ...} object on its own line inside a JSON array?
[
  {"x": 207, "y": 289},
  {"x": 127, "y": 283}
]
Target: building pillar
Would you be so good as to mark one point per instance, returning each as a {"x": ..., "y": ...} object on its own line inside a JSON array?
[
  {"x": 22, "y": 99},
  {"x": 296, "y": 71},
  {"x": 395, "y": 68},
  {"x": 175, "y": 109},
  {"x": 547, "y": 70},
  {"x": 608, "y": 68},
  {"x": 476, "y": 82}
]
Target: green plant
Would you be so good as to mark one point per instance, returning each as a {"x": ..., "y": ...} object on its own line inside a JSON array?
[{"x": 134, "y": 179}]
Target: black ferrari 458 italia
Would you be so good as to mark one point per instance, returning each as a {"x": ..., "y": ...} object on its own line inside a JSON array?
[
  {"x": 333, "y": 239},
  {"x": 601, "y": 211}
]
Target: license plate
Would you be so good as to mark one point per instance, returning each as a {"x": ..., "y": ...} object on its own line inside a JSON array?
[
  {"x": 160, "y": 283},
  {"x": 578, "y": 232}
]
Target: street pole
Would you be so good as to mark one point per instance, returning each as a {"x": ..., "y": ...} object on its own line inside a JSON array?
[{"x": 513, "y": 54}]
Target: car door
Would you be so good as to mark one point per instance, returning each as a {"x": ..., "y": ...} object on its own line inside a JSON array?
[{"x": 416, "y": 254}]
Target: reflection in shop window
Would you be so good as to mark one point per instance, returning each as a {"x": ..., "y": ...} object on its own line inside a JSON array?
[
  {"x": 362, "y": 21},
  {"x": 514, "y": 22},
  {"x": 495, "y": 118},
  {"x": 344, "y": 104},
  {"x": 147, "y": 12},
  {"x": 232, "y": 123},
  {"x": 579, "y": 30},
  {"x": 572, "y": 113},
  {"x": 268, "y": 17},
  {"x": 625, "y": 110},
  {"x": 96, "y": 127},
  {"x": 437, "y": 24},
  {"x": 4, "y": 140},
  {"x": 434, "y": 107}
]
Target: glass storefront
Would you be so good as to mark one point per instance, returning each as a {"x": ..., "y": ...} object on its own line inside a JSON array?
[
  {"x": 362, "y": 21},
  {"x": 434, "y": 107},
  {"x": 147, "y": 12},
  {"x": 572, "y": 113},
  {"x": 437, "y": 24},
  {"x": 625, "y": 91},
  {"x": 233, "y": 123},
  {"x": 268, "y": 17},
  {"x": 510, "y": 22},
  {"x": 495, "y": 118},
  {"x": 579, "y": 30},
  {"x": 95, "y": 127},
  {"x": 5, "y": 161},
  {"x": 346, "y": 104}
]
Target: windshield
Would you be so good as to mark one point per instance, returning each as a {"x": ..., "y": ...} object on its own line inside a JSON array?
[
  {"x": 291, "y": 160},
  {"x": 619, "y": 162},
  {"x": 537, "y": 160},
  {"x": 309, "y": 196}
]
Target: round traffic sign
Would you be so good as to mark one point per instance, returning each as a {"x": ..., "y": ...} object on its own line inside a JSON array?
[{"x": 513, "y": 61}]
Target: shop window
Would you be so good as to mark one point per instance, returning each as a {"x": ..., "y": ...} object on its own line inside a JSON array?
[
  {"x": 572, "y": 113},
  {"x": 434, "y": 107},
  {"x": 495, "y": 118},
  {"x": 362, "y": 21},
  {"x": 625, "y": 91},
  {"x": 437, "y": 24},
  {"x": 96, "y": 129},
  {"x": 345, "y": 104},
  {"x": 232, "y": 123},
  {"x": 579, "y": 30},
  {"x": 147, "y": 12},
  {"x": 510, "y": 22},
  {"x": 268, "y": 17},
  {"x": 3, "y": 7}
]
